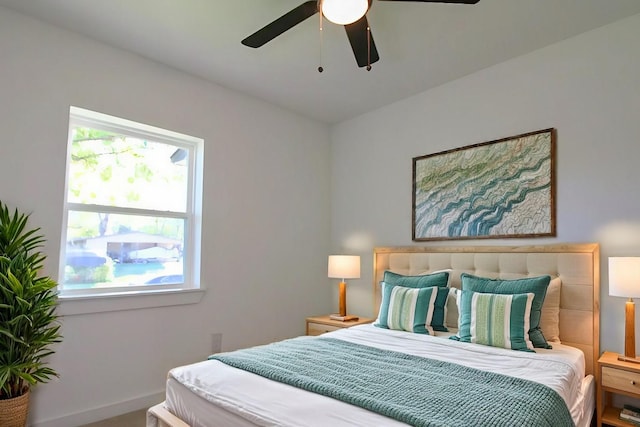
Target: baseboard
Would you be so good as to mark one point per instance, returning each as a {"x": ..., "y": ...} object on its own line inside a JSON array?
[{"x": 103, "y": 412}]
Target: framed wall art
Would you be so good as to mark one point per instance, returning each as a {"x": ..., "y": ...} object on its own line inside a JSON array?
[{"x": 496, "y": 189}]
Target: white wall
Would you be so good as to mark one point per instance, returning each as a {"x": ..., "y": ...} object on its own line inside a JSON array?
[
  {"x": 266, "y": 213},
  {"x": 587, "y": 87}
]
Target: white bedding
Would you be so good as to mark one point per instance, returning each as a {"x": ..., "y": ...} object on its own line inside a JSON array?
[{"x": 211, "y": 393}]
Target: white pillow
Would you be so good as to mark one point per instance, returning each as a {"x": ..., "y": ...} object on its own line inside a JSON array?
[
  {"x": 550, "y": 313},
  {"x": 451, "y": 309}
]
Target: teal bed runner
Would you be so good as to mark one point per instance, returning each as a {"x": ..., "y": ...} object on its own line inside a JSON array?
[{"x": 415, "y": 390}]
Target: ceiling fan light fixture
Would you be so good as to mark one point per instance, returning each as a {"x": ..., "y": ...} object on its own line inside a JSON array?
[{"x": 344, "y": 12}]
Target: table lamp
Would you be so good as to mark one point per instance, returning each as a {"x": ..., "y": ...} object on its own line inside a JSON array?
[
  {"x": 624, "y": 275},
  {"x": 344, "y": 267}
]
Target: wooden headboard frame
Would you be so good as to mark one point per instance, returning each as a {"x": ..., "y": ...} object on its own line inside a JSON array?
[{"x": 578, "y": 266}]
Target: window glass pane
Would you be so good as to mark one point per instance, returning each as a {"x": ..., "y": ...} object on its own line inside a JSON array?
[
  {"x": 111, "y": 169},
  {"x": 114, "y": 250}
]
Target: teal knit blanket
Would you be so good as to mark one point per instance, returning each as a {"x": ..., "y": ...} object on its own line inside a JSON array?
[{"x": 415, "y": 390}]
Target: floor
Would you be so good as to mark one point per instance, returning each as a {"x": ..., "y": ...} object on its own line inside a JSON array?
[{"x": 132, "y": 419}]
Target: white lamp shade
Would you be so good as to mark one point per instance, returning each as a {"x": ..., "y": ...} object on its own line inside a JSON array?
[
  {"x": 344, "y": 266},
  {"x": 344, "y": 12},
  {"x": 624, "y": 277}
]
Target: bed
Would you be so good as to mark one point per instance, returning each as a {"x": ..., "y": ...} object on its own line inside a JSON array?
[{"x": 215, "y": 393}]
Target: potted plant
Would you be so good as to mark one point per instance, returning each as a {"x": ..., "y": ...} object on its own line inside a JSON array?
[{"x": 28, "y": 323}]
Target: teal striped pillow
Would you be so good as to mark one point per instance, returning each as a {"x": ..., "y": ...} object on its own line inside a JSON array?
[
  {"x": 536, "y": 285},
  {"x": 407, "y": 309},
  {"x": 497, "y": 320},
  {"x": 439, "y": 279}
]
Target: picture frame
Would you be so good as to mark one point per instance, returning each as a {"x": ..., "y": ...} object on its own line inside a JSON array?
[{"x": 496, "y": 189}]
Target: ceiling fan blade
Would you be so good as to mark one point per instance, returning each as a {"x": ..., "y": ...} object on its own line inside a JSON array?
[
  {"x": 282, "y": 24},
  {"x": 441, "y": 1},
  {"x": 361, "y": 42}
]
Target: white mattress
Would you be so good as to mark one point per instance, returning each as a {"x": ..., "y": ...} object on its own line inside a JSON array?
[{"x": 211, "y": 393}]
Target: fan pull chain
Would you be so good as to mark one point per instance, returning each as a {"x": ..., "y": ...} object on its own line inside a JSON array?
[
  {"x": 368, "y": 48},
  {"x": 320, "y": 69}
]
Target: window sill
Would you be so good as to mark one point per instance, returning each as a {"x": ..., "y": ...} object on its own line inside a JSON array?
[{"x": 88, "y": 304}]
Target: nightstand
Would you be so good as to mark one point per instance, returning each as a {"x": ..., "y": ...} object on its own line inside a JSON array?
[
  {"x": 615, "y": 377},
  {"x": 318, "y": 325}
]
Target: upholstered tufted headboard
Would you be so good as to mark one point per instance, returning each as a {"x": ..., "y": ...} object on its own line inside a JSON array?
[{"x": 577, "y": 265}]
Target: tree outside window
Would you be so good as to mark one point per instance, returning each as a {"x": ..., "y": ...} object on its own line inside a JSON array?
[{"x": 131, "y": 206}]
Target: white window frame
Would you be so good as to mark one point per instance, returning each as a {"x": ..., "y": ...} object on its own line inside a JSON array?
[{"x": 78, "y": 301}]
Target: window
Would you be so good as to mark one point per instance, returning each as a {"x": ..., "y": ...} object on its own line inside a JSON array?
[{"x": 132, "y": 208}]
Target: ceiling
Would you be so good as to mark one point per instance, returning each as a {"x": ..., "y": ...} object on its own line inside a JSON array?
[{"x": 421, "y": 45}]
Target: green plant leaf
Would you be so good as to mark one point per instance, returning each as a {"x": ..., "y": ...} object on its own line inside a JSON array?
[{"x": 28, "y": 321}]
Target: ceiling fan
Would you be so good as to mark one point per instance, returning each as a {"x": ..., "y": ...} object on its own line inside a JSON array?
[{"x": 350, "y": 13}]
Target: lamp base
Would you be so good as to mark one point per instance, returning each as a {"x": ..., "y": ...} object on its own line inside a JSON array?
[
  {"x": 345, "y": 318},
  {"x": 623, "y": 358}
]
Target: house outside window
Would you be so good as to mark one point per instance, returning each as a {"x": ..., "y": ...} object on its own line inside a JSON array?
[{"x": 132, "y": 212}]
